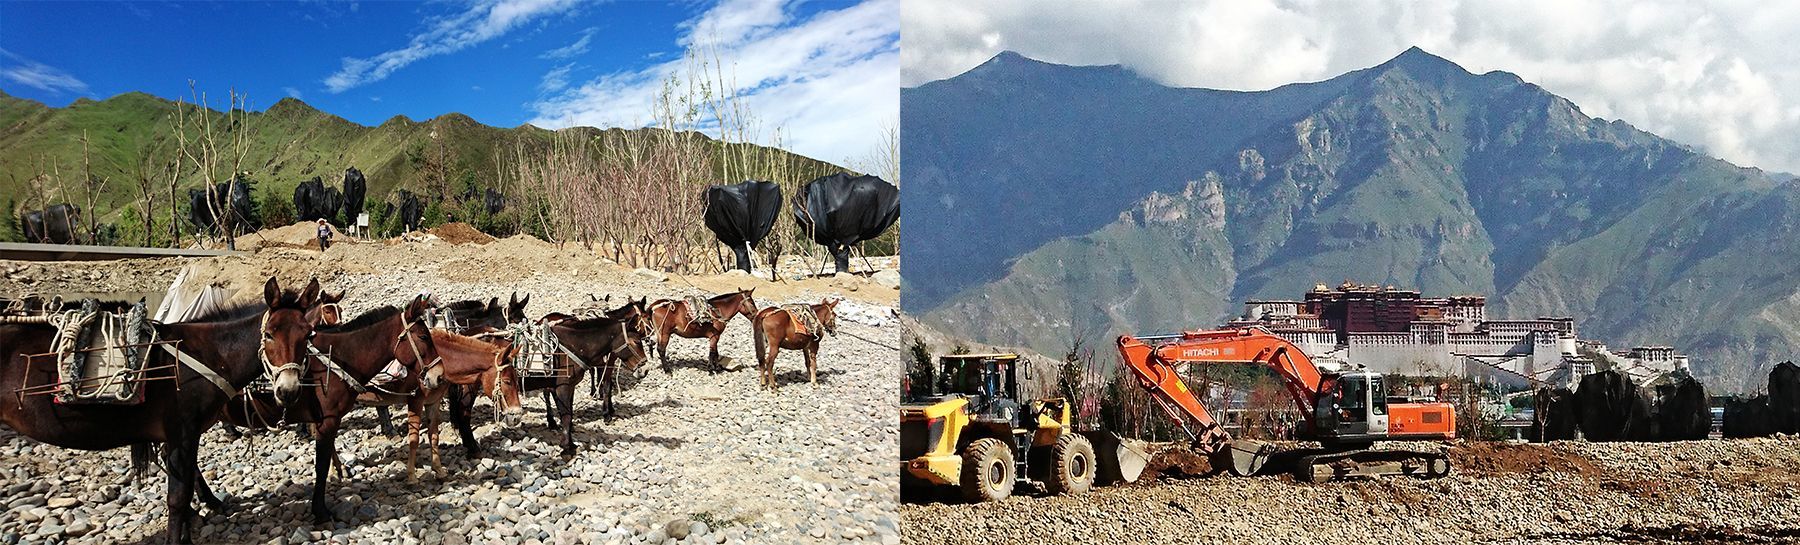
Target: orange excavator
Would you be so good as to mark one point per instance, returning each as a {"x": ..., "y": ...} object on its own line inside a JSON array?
[{"x": 1347, "y": 412}]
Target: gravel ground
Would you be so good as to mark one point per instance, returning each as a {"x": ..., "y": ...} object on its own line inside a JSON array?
[
  {"x": 1739, "y": 491},
  {"x": 693, "y": 457}
]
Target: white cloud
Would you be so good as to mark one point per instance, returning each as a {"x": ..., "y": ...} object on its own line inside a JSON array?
[
  {"x": 569, "y": 51},
  {"x": 829, "y": 81},
  {"x": 556, "y": 79},
  {"x": 1717, "y": 75},
  {"x": 291, "y": 91},
  {"x": 482, "y": 21},
  {"x": 38, "y": 75}
]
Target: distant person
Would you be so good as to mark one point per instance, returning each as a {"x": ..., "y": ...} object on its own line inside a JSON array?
[{"x": 324, "y": 235}]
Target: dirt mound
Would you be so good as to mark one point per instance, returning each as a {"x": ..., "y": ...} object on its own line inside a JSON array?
[
  {"x": 299, "y": 235},
  {"x": 1177, "y": 462},
  {"x": 1488, "y": 458},
  {"x": 460, "y": 233}
]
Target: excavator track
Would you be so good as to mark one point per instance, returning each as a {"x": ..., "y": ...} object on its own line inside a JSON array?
[{"x": 1318, "y": 468}]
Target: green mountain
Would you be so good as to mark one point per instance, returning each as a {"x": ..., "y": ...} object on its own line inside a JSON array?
[
  {"x": 1413, "y": 173},
  {"x": 288, "y": 143}
]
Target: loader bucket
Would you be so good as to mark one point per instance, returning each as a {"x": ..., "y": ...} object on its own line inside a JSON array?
[
  {"x": 1245, "y": 457},
  {"x": 1119, "y": 460}
]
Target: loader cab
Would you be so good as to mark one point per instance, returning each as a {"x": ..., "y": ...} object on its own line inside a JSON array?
[
  {"x": 1353, "y": 408},
  {"x": 989, "y": 381}
]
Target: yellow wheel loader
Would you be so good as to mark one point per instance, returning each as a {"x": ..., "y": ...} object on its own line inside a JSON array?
[{"x": 968, "y": 430}]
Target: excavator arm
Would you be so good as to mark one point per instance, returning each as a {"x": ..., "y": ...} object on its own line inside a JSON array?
[{"x": 1155, "y": 361}]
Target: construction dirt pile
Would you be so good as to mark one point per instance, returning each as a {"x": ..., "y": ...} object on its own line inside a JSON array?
[
  {"x": 693, "y": 456},
  {"x": 460, "y": 233},
  {"x": 1713, "y": 491}
]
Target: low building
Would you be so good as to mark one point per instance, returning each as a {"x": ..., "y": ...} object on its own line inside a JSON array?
[{"x": 1390, "y": 330}]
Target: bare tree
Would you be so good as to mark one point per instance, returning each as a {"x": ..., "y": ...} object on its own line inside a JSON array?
[{"x": 209, "y": 151}]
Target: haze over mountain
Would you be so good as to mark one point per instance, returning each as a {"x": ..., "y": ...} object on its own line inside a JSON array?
[{"x": 1053, "y": 201}]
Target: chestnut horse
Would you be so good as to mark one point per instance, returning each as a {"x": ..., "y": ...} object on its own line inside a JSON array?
[
  {"x": 357, "y": 351},
  {"x": 473, "y": 318},
  {"x": 672, "y": 316},
  {"x": 474, "y": 364},
  {"x": 592, "y": 341},
  {"x": 229, "y": 347},
  {"x": 790, "y": 330}
]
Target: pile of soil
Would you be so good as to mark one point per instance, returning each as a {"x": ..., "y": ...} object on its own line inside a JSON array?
[
  {"x": 304, "y": 234},
  {"x": 1176, "y": 462},
  {"x": 460, "y": 233},
  {"x": 1490, "y": 458}
]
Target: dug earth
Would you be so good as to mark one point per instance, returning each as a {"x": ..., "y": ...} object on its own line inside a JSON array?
[
  {"x": 1713, "y": 491},
  {"x": 692, "y": 457}
]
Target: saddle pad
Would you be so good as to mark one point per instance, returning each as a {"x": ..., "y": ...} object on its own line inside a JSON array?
[
  {"x": 804, "y": 317},
  {"x": 537, "y": 349},
  {"x": 700, "y": 309},
  {"x": 100, "y": 355}
]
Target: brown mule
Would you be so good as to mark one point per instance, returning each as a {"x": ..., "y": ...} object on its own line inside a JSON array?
[
  {"x": 358, "y": 350},
  {"x": 473, "y": 363},
  {"x": 789, "y": 328},
  {"x": 671, "y": 316},
  {"x": 235, "y": 344},
  {"x": 595, "y": 342}
]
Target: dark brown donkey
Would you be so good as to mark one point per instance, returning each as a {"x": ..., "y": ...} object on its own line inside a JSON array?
[
  {"x": 605, "y": 377},
  {"x": 358, "y": 350},
  {"x": 673, "y": 316},
  {"x": 792, "y": 327},
  {"x": 591, "y": 341},
  {"x": 234, "y": 345},
  {"x": 473, "y": 364}
]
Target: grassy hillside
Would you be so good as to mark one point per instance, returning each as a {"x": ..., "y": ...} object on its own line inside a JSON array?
[{"x": 288, "y": 143}]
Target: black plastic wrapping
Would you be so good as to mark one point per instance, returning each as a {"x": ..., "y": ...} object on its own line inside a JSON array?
[
  {"x": 839, "y": 210},
  {"x": 356, "y": 190},
  {"x": 742, "y": 214},
  {"x": 313, "y": 200}
]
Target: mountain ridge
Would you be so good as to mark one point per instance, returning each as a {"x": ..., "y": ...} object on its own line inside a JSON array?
[
  {"x": 1414, "y": 172},
  {"x": 292, "y": 141}
]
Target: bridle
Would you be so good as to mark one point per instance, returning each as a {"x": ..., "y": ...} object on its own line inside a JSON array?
[
  {"x": 407, "y": 335},
  {"x": 262, "y": 352}
]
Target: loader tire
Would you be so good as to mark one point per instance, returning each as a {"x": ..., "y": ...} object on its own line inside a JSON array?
[
  {"x": 1073, "y": 465},
  {"x": 987, "y": 471}
]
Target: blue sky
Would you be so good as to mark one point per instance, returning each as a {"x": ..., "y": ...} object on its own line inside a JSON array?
[{"x": 825, "y": 73}]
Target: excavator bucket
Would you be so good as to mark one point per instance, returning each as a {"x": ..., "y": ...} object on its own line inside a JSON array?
[
  {"x": 1245, "y": 457},
  {"x": 1119, "y": 460}
]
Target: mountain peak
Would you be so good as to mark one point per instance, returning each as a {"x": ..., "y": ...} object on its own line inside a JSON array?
[{"x": 1422, "y": 62}]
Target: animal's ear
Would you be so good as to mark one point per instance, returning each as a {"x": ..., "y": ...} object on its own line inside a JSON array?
[
  {"x": 493, "y": 303},
  {"x": 334, "y": 298},
  {"x": 271, "y": 292},
  {"x": 310, "y": 295},
  {"x": 511, "y": 298},
  {"x": 525, "y": 301}
]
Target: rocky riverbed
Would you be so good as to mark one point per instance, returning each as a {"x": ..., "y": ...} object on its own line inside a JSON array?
[
  {"x": 1738, "y": 491},
  {"x": 693, "y": 457}
]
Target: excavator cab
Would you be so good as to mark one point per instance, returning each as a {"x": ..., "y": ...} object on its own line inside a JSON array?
[{"x": 1352, "y": 409}]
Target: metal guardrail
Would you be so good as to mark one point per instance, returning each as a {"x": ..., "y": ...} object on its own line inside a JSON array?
[{"x": 22, "y": 251}]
